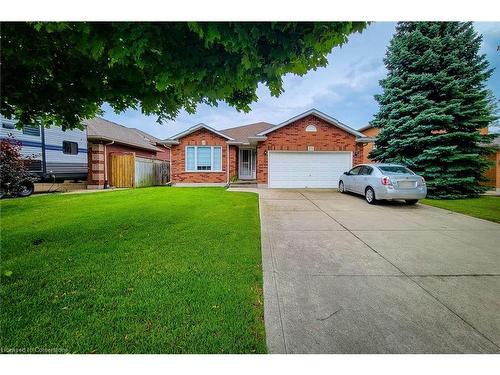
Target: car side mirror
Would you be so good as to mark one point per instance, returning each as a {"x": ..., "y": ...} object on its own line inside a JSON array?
[{"x": 346, "y": 173}]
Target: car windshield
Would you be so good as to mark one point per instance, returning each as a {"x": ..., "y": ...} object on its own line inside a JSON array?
[{"x": 395, "y": 169}]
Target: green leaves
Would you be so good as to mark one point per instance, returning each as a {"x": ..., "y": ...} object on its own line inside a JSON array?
[
  {"x": 434, "y": 104},
  {"x": 63, "y": 72}
]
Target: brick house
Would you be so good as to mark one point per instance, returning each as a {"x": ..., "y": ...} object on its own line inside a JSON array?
[
  {"x": 309, "y": 150},
  {"x": 106, "y": 138},
  {"x": 493, "y": 174}
]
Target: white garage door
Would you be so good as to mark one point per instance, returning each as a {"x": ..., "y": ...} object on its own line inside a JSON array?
[{"x": 307, "y": 169}]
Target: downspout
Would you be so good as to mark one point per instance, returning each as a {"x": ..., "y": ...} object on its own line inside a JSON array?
[
  {"x": 227, "y": 166},
  {"x": 170, "y": 165},
  {"x": 106, "y": 184}
]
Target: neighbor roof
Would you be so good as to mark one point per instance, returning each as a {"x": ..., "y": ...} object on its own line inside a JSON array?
[
  {"x": 149, "y": 137},
  {"x": 366, "y": 127},
  {"x": 319, "y": 114},
  {"x": 101, "y": 129},
  {"x": 242, "y": 133}
]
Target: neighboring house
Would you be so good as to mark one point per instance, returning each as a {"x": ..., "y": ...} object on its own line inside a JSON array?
[
  {"x": 493, "y": 174},
  {"x": 309, "y": 150},
  {"x": 370, "y": 132},
  {"x": 106, "y": 138},
  {"x": 52, "y": 154}
]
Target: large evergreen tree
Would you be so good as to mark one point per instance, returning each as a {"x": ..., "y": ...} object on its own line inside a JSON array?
[{"x": 433, "y": 104}]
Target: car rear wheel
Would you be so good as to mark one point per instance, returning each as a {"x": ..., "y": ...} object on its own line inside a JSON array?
[
  {"x": 341, "y": 187},
  {"x": 411, "y": 201},
  {"x": 27, "y": 190},
  {"x": 370, "y": 195}
]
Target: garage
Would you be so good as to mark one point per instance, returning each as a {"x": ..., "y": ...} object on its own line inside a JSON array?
[{"x": 307, "y": 169}]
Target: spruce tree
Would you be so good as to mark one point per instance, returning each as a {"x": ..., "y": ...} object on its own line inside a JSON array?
[{"x": 434, "y": 103}]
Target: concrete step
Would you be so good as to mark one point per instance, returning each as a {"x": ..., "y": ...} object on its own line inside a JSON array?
[{"x": 244, "y": 184}]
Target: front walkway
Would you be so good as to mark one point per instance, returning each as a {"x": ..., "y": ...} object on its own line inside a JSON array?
[{"x": 341, "y": 276}]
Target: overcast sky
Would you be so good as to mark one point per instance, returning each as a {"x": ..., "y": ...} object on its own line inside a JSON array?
[{"x": 344, "y": 89}]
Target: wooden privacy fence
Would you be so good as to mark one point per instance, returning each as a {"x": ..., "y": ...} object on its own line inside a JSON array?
[
  {"x": 127, "y": 170},
  {"x": 122, "y": 170},
  {"x": 149, "y": 172}
]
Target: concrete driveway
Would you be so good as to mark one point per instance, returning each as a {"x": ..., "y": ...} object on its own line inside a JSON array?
[{"x": 341, "y": 276}]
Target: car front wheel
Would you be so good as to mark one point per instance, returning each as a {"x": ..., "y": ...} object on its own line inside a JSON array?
[
  {"x": 27, "y": 189},
  {"x": 341, "y": 187},
  {"x": 370, "y": 195}
]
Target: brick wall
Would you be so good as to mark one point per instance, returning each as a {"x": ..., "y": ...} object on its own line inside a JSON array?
[
  {"x": 201, "y": 137},
  {"x": 95, "y": 177},
  {"x": 164, "y": 154},
  {"x": 293, "y": 137},
  {"x": 233, "y": 161},
  {"x": 119, "y": 148}
]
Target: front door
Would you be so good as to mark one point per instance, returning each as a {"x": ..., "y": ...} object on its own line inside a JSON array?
[{"x": 247, "y": 164}]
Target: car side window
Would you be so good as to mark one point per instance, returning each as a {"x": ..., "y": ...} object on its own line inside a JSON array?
[
  {"x": 355, "y": 171},
  {"x": 366, "y": 171}
]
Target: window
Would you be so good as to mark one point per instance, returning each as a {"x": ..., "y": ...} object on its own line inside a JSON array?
[
  {"x": 31, "y": 130},
  {"x": 8, "y": 125},
  {"x": 355, "y": 170},
  {"x": 203, "y": 158},
  {"x": 311, "y": 128},
  {"x": 366, "y": 171},
  {"x": 395, "y": 169},
  {"x": 70, "y": 148}
]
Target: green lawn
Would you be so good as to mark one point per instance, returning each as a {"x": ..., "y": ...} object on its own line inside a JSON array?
[
  {"x": 485, "y": 207},
  {"x": 152, "y": 270}
]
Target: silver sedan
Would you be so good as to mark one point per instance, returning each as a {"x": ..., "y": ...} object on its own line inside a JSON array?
[{"x": 384, "y": 181}]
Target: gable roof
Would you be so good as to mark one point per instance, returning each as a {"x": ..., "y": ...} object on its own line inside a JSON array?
[
  {"x": 101, "y": 129},
  {"x": 318, "y": 114},
  {"x": 241, "y": 134},
  {"x": 195, "y": 128}
]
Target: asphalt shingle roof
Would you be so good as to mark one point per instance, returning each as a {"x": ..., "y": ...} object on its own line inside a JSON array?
[
  {"x": 99, "y": 128},
  {"x": 241, "y": 133}
]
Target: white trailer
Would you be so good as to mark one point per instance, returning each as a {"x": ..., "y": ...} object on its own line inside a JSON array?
[{"x": 56, "y": 155}]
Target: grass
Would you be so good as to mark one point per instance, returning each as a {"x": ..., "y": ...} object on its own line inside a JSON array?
[
  {"x": 152, "y": 270},
  {"x": 485, "y": 207}
]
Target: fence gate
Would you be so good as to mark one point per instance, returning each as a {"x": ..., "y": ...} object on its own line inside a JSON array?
[{"x": 122, "y": 170}]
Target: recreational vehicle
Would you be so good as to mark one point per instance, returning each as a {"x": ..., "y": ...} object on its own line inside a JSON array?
[{"x": 54, "y": 154}]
